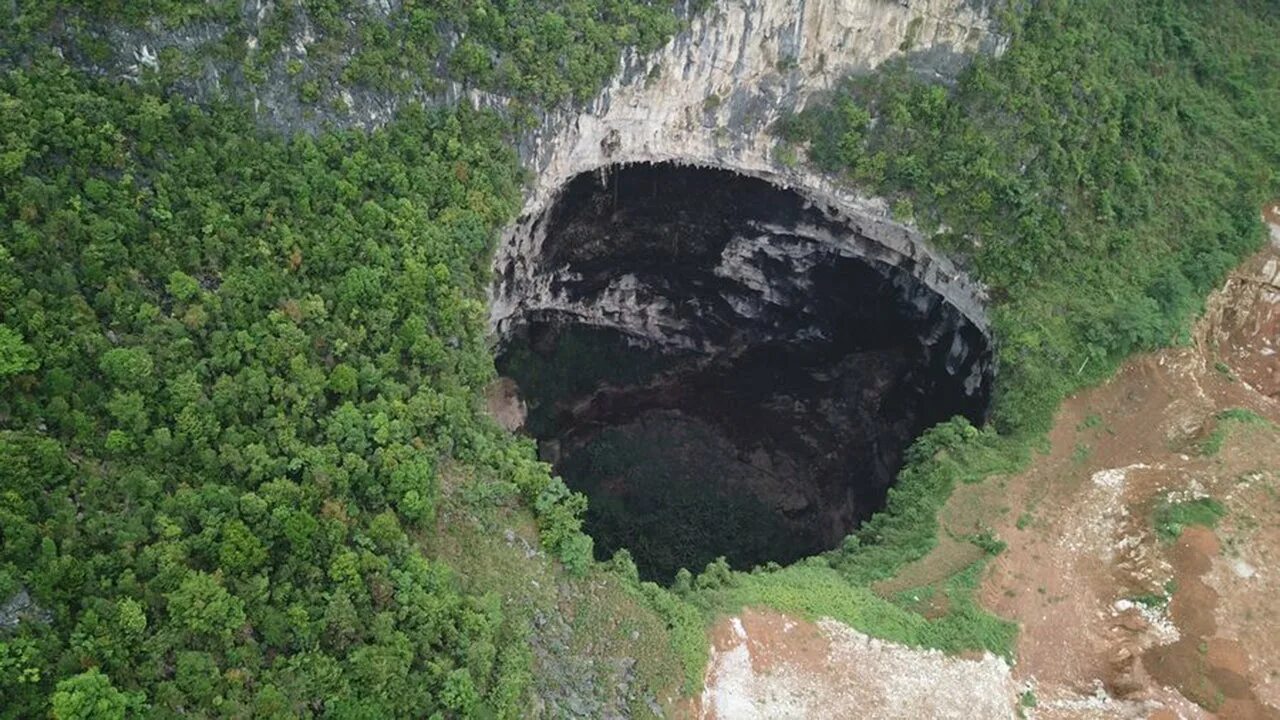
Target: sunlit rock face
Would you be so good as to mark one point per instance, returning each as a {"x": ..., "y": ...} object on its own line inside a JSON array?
[
  {"x": 727, "y": 367},
  {"x": 712, "y": 95}
]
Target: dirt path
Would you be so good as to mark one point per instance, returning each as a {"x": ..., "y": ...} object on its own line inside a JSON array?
[{"x": 1116, "y": 620}]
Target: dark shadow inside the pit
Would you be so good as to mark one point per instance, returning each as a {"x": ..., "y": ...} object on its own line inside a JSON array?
[{"x": 717, "y": 377}]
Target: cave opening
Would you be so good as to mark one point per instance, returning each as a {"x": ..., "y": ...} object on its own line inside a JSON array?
[{"x": 722, "y": 365}]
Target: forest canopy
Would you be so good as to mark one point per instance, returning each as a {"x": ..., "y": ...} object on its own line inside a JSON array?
[
  {"x": 240, "y": 372},
  {"x": 233, "y": 367},
  {"x": 539, "y": 51}
]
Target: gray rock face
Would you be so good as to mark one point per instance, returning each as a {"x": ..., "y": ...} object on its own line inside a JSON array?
[
  {"x": 20, "y": 608},
  {"x": 709, "y": 261},
  {"x": 709, "y": 98}
]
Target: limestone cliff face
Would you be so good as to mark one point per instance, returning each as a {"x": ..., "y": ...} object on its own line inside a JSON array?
[{"x": 710, "y": 97}]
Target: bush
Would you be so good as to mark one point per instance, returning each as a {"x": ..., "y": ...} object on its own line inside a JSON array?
[{"x": 1171, "y": 518}]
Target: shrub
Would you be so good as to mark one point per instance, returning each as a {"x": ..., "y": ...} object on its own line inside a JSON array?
[{"x": 1171, "y": 518}]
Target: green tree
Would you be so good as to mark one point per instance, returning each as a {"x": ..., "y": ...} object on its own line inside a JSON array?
[
  {"x": 241, "y": 550},
  {"x": 88, "y": 696},
  {"x": 202, "y": 607},
  {"x": 127, "y": 367},
  {"x": 343, "y": 380},
  {"x": 16, "y": 357}
]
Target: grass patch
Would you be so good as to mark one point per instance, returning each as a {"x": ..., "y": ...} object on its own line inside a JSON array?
[
  {"x": 813, "y": 590},
  {"x": 1090, "y": 422},
  {"x": 1172, "y": 518},
  {"x": 1227, "y": 421},
  {"x": 1224, "y": 370},
  {"x": 988, "y": 542}
]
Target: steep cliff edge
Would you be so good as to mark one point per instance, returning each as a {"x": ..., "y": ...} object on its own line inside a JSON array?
[
  {"x": 712, "y": 93},
  {"x": 710, "y": 98}
]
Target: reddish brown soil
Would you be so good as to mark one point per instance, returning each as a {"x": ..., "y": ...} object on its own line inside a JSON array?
[
  {"x": 1212, "y": 671},
  {"x": 775, "y": 639},
  {"x": 1086, "y": 541}
]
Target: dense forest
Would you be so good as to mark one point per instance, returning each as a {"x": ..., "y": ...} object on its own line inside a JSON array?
[
  {"x": 233, "y": 366},
  {"x": 240, "y": 372},
  {"x": 1101, "y": 176},
  {"x": 537, "y": 52}
]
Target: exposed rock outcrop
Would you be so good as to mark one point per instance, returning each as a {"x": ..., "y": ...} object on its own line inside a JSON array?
[{"x": 710, "y": 97}]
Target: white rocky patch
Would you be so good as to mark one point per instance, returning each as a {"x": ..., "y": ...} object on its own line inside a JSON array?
[{"x": 750, "y": 680}]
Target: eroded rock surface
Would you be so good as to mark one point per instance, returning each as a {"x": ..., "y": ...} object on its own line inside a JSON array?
[
  {"x": 768, "y": 665},
  {"x": 710, "y": 97}
]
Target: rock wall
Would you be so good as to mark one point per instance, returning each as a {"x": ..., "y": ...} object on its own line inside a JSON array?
[
  {"x": 710, "y": 96},
  {"x": 711, "y": 261}
]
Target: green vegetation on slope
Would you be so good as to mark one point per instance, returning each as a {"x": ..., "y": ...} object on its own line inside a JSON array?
[
  {"x": 1226, "y": 421},
  {"x": 232, "y": 368},
  {"x": 1171, "y": 518},
  {"x": 1101, "y": 176},
  {"x": 546, "y": 51}
]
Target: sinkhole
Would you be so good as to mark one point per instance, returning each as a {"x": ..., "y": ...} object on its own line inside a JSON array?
[{"x": 724, "y": 366}]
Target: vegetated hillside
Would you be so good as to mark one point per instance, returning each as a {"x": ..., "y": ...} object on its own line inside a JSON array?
[
  {"x": 1101, "y": 177},
  {"x": 534, "y": 51},
  {"x": 232, "y": 368},
  {"x": 239, "y": 373}
]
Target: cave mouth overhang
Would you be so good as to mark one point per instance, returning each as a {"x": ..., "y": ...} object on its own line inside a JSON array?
[{"x": 726, "y": 366}]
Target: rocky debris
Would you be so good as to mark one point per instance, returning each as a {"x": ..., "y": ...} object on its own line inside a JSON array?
[
  {"x": 1242, "y": 321},
  {"x": 503, "y": 403},
  {"x": 768, "y": 665},
  {"x": 20, "y": 608},
  {"x": 570, "y": 684}
]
